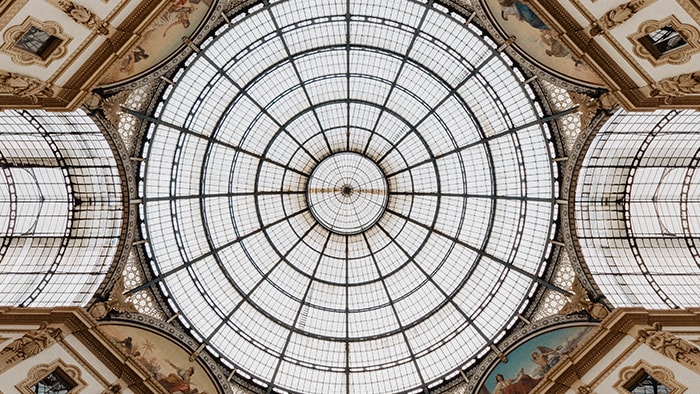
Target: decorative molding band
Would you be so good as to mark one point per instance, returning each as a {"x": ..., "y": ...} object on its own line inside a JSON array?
[
  {"x": 630, "y": 375},
  {"x": 13, "y": 34},
  {"x": 679, "y": 55},
  {"x": 81, "y": 15},
  {"x": 39, "y": 372},
  {"x": 671, "y": 346},
  {"x": 30, "y": 344},
  {"x": 618, "y": 15}
]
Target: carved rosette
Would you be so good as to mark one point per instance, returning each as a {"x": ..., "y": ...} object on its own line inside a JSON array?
[{"x": 24, "y": 58}]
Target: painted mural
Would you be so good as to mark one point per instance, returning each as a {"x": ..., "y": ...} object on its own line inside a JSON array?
[
  {"x": 162, "y": 38},
  {"x": 168, "y": 362},
  {"x": 528, "y": 362},
  {"x": 536, "y": 39}
]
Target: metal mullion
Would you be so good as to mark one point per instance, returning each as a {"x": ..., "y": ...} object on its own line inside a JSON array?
[
  {"x": 450, "y": 93},
  {"x": 243, "y": 90},
  {"x": 175, "y": 270},
  {"x": 347, "y": 71},
  {"x": 296, "y": 318},
  {"x": 217, "y": 195},
  {"x": 483, "y": 253},
  {"x": 539, "y": 121},
  {"x": 211, "y": 139},
  {"x": 247, "y": 296},
  {"x": 467, "y": 195},
  {"x": 448, "y": 298},
  {"x": 404, "y": 60},
  {"x": 396, "y": 314},
  {"x": 296, "y": 71}
]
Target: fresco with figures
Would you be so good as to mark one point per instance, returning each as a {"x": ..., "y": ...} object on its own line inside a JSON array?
[
  {"x": 536, "y": 39},
  {"x": 161, "y": 39},
  {"x": 529, "y": 361},
  {"x": 168, "y": 362}
]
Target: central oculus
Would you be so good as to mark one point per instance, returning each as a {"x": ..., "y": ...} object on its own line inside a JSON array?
[{"x": 347, "y": 193}]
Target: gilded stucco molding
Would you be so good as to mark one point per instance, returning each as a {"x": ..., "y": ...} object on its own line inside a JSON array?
[
  {"x": 39, "y": 372},
  {"x": 13, "y": 34},
  {"x": 618, "y": 15},
  {"x": 628, "y": 377},
  {"x": 25, "y": 86},
  {"x": 671, "y": 346},
  {"x": 28, "y": 345},
  {"x": 8, "y": 10},
  {"x": 676, "y": 56},
  {"x": 680, "y": 85},
  {"x": 81, "y": 15}
]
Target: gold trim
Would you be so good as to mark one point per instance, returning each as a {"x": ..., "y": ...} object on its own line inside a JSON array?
[
  {"x": 40, "y": 371},
  {"x": 630, "y": 375},
  {"x": 13, "y": 34},
  {"x": 676, "y": 56},
  {"x": 8, "y": 10}
]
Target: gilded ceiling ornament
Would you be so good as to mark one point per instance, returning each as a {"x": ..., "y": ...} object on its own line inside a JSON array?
[
  {"x": 579, "y": 301},
  {"x": 111, "y": 106},
  {"x": 671, "y": 346},
  {"x": 15, "y": 34},
  {"x": 678, "y": 55},
  {"x": 30, "y": 344},
  {"x": 588, "y": 106},
  {"x": 81, "y": 15},
  {"x": 117, "y": 302},
  {"x": 680, "y": 85},
  {"x": 618, "y": 16},
  {"x": 629, "y": 376},
  {"x": 24, "y": 86},
  {"x": 584, "y": 390}
]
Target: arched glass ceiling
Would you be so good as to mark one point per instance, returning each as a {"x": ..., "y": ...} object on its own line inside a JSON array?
[
  {"x": 60, "y": 208},
  {"x": 637, "y": 205},
  {"x": 348, "y": 196}
]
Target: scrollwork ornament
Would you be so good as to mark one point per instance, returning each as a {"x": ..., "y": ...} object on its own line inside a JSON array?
[
  {"x": 671, "y": 346},
  {"x": 28, "y": 345},
  {"x": 678, "y": 86},
  {"x": 618, "y": 16},
  {"x": 81, "y": 15},
  {"x": 25, "y": 86}
]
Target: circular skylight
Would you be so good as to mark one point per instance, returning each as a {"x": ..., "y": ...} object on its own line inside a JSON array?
[
  {"x": 347, "y": 193},
  {"x": 348, "y": 196}
]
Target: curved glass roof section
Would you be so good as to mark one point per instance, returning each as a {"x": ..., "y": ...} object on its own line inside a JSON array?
[
  {"x": 337, "y": 300},
  {"x": 61, "y": 208},
  {"x": 637, "y": 204}
]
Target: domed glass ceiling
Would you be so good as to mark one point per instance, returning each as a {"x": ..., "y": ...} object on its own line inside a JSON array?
[{"x": 348, "y": 196}]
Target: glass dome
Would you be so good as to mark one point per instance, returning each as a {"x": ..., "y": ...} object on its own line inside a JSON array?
[{"x": 348, "y": 196}]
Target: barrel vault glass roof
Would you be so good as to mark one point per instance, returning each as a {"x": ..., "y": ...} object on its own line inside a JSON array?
[{"x": 392, "y": 297}]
